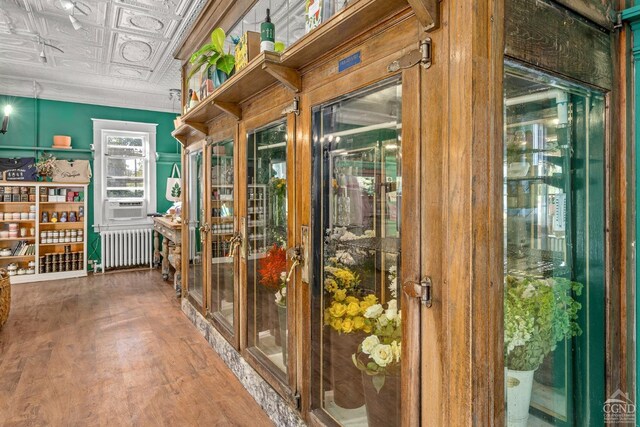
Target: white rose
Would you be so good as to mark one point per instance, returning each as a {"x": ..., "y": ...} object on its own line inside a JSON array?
[
  {"x": 373, "y": 311},
  {"x": 392, "y": 312},
  {"x": 382, "y": 354},
  {"x": 383, "y": 321},
  {"x": 283, "y": 276},
  {"x": 369, "y": 343}
]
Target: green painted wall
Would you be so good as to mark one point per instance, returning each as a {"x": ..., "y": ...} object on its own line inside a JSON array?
[{"x": 34, "y": 122}]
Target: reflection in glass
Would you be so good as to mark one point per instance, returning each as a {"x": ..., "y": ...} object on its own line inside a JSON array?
[
  {"x": 554, "y": 283},
  {"x": 267, "y": 240},
  {"x": 196, "y": 219},
  {"x": 357, "y": 187},
  {"x": 222, "y": 219}
]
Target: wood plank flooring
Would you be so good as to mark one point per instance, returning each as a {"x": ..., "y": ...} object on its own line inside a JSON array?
[{"x": 113, "y": 350}]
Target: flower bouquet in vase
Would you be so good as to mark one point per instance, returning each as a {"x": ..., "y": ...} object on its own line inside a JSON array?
[
  {"x": 271, "y": 269},
  {"x": 378, "y": 357},
  {"x": 344, "y": 318},
  {"x": 538, "y": 313}
]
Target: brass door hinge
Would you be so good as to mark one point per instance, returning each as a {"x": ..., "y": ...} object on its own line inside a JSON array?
[
  {"x": 421, "y": 290},
  {"x": 421, "y": 56},
  {"x": 293, "y": 108}
]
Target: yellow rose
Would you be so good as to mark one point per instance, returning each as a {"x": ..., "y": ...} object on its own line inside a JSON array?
[
  {"x": 371, "y": 299},
  {"x": 347, "y": 325},
  {"x": 353, "y": 309},
  {"x": 330, "y": 285},
  {"x": 337, "y": 309},
  {"x": 358, "y": 323},
  {"x": 349, "y": 300},
  {"x": 366, "y": 328},
  {"x": 336, "y": 324},
  {"x": 340, "y": 295},
  {"x": 327, "y": 316}
]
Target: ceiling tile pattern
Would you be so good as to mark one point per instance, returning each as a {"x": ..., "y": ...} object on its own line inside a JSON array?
[{"x": 125, "y": 46}]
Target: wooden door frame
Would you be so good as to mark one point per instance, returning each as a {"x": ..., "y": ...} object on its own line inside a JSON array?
[
  {"x": 366, "y": 76},
  {"x": 225, "y": 132},
  {"x": 199, "y": 145},
  {"x": 259, "y": 118}
]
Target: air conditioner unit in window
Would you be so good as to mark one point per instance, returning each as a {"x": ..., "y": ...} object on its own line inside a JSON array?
[{"x": 125, "y": 211}]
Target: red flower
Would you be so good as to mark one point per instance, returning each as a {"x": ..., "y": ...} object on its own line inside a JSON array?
[{"x": 272, "y": 266}]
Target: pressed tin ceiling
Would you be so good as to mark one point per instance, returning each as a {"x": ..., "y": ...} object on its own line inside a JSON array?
[{"x": 121, "y": 57}]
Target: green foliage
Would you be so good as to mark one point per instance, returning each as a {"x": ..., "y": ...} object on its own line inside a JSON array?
[
  {"x": 212, "y": 55},
  {"x": 538, "y": 313}
]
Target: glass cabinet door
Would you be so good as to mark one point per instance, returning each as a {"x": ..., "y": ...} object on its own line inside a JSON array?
[
  {"x": 356, "y": 318},
  {"x": 554, "y": 253},
  {"x": 195, "y": 171},
  {"x": 267, "y": 244},
  {"x": 222, "y": 230}
]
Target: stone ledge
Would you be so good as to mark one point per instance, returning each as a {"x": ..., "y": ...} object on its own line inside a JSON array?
[{"x": 268, "y": 399}]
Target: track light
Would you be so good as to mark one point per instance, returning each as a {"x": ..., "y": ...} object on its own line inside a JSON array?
[
  {"x": 73, "y": 6},
  {"x": 5, "y": 121},
  {"x": 74, "y": 21},
  {"x": 43, "y": 56}
]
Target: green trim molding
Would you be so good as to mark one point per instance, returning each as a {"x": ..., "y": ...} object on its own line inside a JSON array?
[{"x": 632, "y": 17}]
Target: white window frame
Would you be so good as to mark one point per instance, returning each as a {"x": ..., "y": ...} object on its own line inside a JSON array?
[{"x": 101, "y": 130}]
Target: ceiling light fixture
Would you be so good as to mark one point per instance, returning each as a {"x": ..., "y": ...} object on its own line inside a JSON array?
[
  {"x": 43, "y": 55},
  {"x": 73, "y": 6}
]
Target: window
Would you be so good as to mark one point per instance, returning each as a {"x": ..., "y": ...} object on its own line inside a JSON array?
[
  {"x": 124, "y": 158},
  {"x": 125, "y": 175}
]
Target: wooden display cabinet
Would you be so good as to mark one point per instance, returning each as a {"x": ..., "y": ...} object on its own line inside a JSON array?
[
  {"x": 42, "y": 239},
  {"x": 418, "y": 143}
]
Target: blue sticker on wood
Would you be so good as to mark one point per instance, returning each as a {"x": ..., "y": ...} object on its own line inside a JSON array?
[{"x": 349, "y": 61}]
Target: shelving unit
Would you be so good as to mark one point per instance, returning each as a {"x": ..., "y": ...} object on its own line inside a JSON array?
[
  {"x": 38, "y": 193},
  {"x": 256, "y": 220}
]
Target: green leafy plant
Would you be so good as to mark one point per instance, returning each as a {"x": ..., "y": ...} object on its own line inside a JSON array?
[
  {"x": 538, "y": 313},
  {"x": 212, "y": 55}
]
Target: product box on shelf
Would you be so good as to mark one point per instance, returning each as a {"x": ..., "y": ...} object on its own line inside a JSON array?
[{"x": 247, "y": 49}]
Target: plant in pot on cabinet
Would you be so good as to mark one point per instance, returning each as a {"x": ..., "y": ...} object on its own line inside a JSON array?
[
  {"x": 218, "y": 66},
  {"x": 538, "y": 314}
]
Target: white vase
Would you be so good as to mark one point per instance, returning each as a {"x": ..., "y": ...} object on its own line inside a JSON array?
[{"x": 519, "y": 384}]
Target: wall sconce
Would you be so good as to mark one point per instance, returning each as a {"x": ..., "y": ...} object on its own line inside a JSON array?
[{"x": 5, "y": 121}]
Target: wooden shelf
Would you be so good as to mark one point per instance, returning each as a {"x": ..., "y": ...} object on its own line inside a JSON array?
[
  {"x": 262, "y": 72},
  {"x": 14, "y": 239},
  {"x": 343, "y": 26},
  {"x": 69, "y": 225},
  {"x": 16, "y": 257},
  {"x": 62, "y": 203},
  {"x": 17, "y": 203},
  {"x": 61, "y": 244},
  {"x": 16, "y": 220}
]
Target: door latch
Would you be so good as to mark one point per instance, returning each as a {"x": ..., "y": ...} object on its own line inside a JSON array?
[
  {"x": 422, "y": 290},
  {"x": 295, "y": 254},
  {"x": 421, "y": 56},
  {"x": 234, "y": 243},
  {"x": 204, "y": 229},
  {"x": 294, "y": 107}
]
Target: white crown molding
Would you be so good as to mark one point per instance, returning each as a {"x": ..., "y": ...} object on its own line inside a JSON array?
[{"x": 108, "y": 97}]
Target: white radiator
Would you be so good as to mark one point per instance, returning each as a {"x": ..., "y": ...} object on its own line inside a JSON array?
[{"x": 126, "y": 248}]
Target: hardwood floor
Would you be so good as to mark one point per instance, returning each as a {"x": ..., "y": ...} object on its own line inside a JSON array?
[{"x": 112, "y": 350}]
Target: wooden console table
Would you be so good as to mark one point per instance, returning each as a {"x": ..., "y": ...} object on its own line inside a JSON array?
[{"x": 171, "y": 254}]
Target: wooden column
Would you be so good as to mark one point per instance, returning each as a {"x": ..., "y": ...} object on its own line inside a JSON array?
[{"x": 470, "y": 289}]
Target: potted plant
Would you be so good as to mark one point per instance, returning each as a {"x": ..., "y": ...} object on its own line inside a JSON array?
[
  {"x": 218, "y": 66},
  {"x": 45, "y": 166},
  {"x": 538, "y": 313}
]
